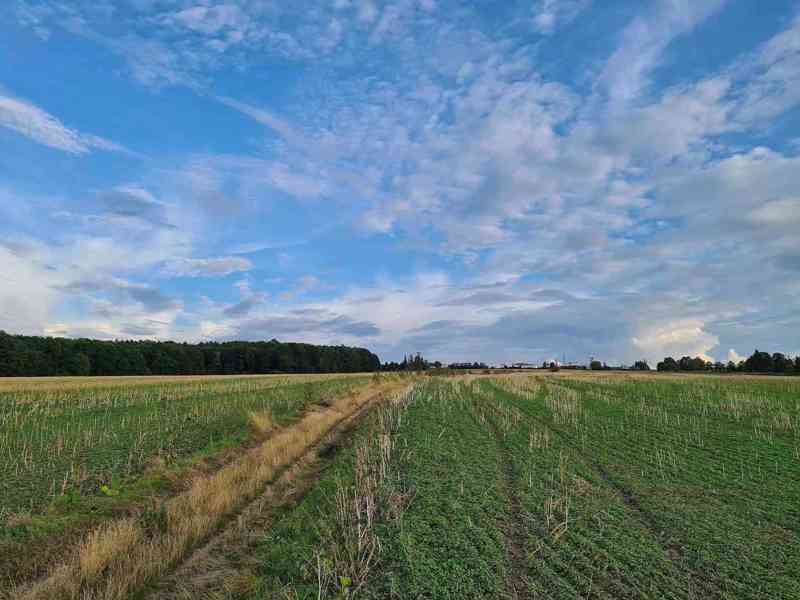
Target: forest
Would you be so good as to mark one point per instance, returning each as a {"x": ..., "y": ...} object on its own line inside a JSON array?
[
  {"x": 26, "y": 356},
  {"x": 758, "y": 362}
]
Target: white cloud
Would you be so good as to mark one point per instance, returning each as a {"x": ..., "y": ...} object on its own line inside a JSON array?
[
  {"x": 304, "y": 284},
  {"x": 367, "y": 11},
  {"x": 34, "y": 123},
  {"x": 295, "y": 183},
  {"x": 752, "y": 192},
  {"x": 207, "y": 267},
  {"x": 734, "y": 356},
  {"x": 265, "y": 117},
  {"x": 44, "y": 292},
  {"x": 682, "y": 120},
  {"x": 772, "y": 78},
  {"x": 428, "y": 5},
  {"x": 682, "y": 337},
  {"x": 628, "y": 200},
  {"x": 187, "y": 41},
  {"x": 644, "y": 40},
  {"x": 27, "y": 297},
  {"x": 152, "y": 62},
  {"x": 211, "y": 19},
  {"x": 227, "y": 185},
  {"x": 549, "y": 15},
  {"x": 778, "y": 213}
]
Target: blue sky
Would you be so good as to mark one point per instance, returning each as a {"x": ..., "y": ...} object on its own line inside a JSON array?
[{"x": 471, "y": 180}]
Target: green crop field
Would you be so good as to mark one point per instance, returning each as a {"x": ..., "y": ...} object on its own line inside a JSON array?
[
  {"x": 524, "y": 486},
  {"x": 558, "y": 487},
  {"x": 78, "y": 452},
  {"x": 61, "y": 441}
]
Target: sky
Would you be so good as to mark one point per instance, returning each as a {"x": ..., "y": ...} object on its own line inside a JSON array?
[{"x": 472, "y": 180}]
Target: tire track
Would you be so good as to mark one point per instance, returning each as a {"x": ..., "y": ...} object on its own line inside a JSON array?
[
  {"x": 141, "y": 554},
  {"x": 224, "y": 566},
  {"x": 516, "y": 583},
  {"x": 697, "y": 587}
]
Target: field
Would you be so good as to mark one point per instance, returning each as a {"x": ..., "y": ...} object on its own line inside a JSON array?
[
  {"x": 76, "y": 454},
  {"x": 66, "y": 440},
  {"x": 522, "y": 486}
]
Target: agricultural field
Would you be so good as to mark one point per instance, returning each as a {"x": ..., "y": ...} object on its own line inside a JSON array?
[
  {"x": 75, "y": 453},
  {"x": 476, "y": 486},
  {"x": 56, "y": 442}
]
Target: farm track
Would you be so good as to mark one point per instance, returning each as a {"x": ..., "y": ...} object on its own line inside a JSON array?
[
  {"x": 698, "y": 587},
  {"x": 516, "y": 541},
  {"x": 742, "y": 455},
  {"x": 223, "y": 564},
  {"x": 514, "y": 530},
  {"x": 133, "y": 568}
]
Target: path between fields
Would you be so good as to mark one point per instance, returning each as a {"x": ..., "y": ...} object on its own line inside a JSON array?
[
  {"x": 224, "y": 565},
  {"x": 514, "y": 530},
  {"x": 236, "y": 489}
]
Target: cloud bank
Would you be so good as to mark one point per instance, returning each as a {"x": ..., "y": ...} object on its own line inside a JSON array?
[{"x": 555, "y": 178}]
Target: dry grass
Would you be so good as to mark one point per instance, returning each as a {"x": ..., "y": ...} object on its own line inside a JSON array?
[
  {"x": 223, "y": 567},
  {"x": 261, "y": 423},
  {"x": 25, "y": 384},
  {"x": 352, "y": 546},
  {"x": 120, "y": 557},
  {"x": 102, "y": 547}
]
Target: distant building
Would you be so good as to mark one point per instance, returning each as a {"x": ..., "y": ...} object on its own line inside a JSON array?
[{"x": 548, "y": 364}]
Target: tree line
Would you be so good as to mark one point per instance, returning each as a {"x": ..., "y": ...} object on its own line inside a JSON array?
[
  {"x": 411, "y": 362},
  {"x": 417, "y": 362},
  {"x": 758, "y": 362},
  {"x": 26, "y": 356}
]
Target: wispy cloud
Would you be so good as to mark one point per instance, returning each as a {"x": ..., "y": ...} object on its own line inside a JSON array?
[
  {"x": 549, "y": 15},
  {"x": 41, "y": 127},
  {"x": 207, "y": 267},
  {"x": 211, "y": 19},
  {"x": 265, "y": 117},
  {"x": 644, "y": 41}
]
